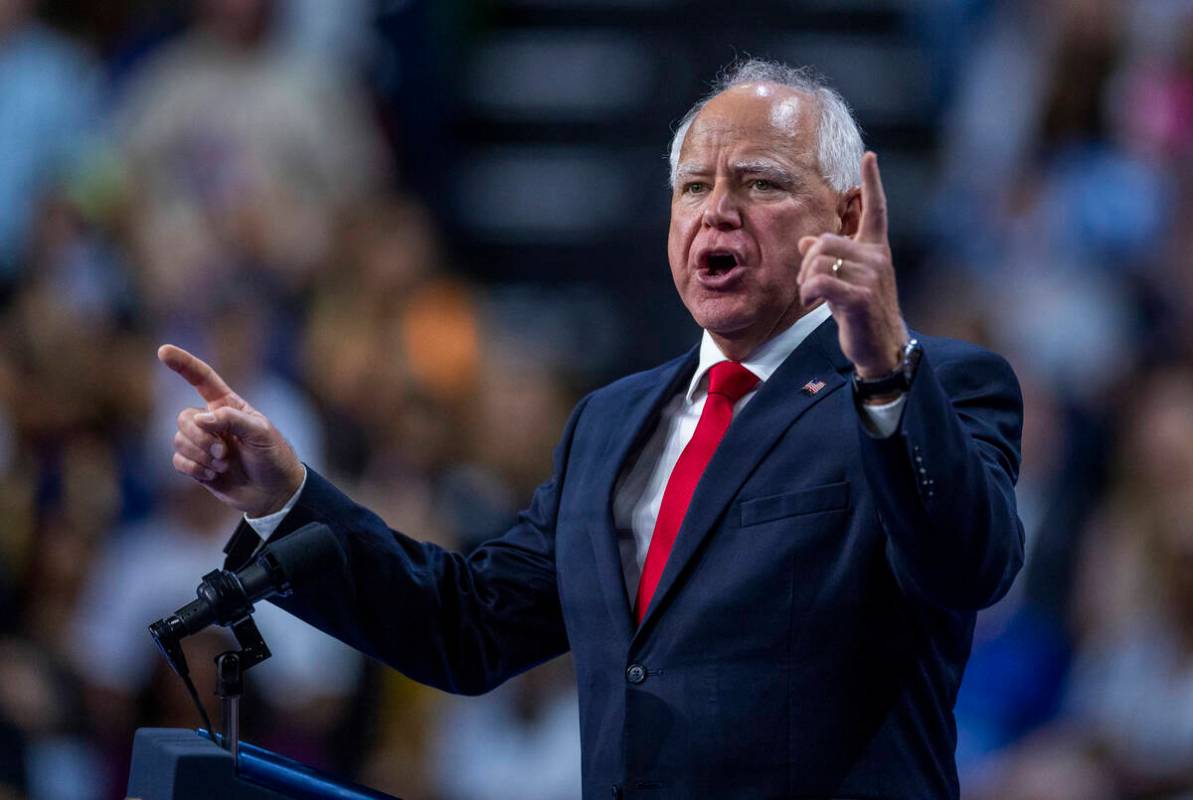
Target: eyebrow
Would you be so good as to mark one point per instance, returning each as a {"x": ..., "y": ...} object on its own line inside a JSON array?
[
  {"x": 685, "y": 170},
  {"x": 768, "y": 168}
]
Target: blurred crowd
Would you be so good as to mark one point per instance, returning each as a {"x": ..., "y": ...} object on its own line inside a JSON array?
[
  {"x": 227, "y": 184},
  {"x": 225, "y": 178},
  {"x": 1063, "y": 240}
]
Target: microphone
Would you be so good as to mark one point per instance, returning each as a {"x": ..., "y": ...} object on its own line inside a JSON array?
[{"x": 225, "y": 597}]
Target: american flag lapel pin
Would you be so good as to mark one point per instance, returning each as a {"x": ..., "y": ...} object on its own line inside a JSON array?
[{"x": 813, "y": 386}]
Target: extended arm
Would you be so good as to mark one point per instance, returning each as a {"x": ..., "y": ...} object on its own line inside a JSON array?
[{"x": 461, "y": 623}]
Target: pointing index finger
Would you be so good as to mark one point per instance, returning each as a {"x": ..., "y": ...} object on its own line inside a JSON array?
[
  {"x": 197, "y": 372},
  {"x": 872, "y": 227}
]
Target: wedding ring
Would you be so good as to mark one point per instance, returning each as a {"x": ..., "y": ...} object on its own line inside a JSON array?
[{"x": 840, "y": 262}]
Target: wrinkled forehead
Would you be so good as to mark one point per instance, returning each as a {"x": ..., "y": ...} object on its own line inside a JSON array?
[{"x": 761, "y": 116}]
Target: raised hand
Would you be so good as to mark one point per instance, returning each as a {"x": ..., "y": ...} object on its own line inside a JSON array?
[
  {"x": 861, "y": 291},
  {"x": 229, "y": 446}
]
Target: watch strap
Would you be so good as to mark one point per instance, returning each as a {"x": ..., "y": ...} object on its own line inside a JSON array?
[{"x": 895, "y": 382}]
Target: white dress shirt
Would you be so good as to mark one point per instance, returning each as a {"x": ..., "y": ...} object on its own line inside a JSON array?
[{"x": 639, "y": 491}]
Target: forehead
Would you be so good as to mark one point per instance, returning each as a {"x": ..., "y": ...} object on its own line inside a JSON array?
[{"x": 759, "y": 118}]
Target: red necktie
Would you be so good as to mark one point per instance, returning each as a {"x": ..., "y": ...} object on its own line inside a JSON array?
[{"x": 728, "y": 382}]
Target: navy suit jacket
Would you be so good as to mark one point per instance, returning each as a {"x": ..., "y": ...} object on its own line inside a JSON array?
[{"x": 812, "y": 624}]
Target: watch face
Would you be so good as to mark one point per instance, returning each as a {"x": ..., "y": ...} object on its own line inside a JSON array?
[{"x": 911, "y": 360}]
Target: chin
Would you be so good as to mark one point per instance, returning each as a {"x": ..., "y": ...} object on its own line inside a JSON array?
[
  {"x": 724, "y": 314},
  {"x": 727, "y": 326}
]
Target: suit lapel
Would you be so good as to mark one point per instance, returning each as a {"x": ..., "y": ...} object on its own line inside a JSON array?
[
  {"x": 789, "y": 393},
  {"x": 636, "y": 421}
]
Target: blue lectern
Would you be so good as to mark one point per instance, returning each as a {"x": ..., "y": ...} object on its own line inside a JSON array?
[{"x": 181, "y": 764}]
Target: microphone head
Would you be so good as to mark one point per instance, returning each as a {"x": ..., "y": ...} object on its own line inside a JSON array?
[{"x": 310, "y": 551}]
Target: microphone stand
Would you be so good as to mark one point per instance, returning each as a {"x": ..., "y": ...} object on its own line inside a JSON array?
[
  {"x": 229, "y": 681},
  {"x": 226, "y": 598},
  {"x": 229, "y": 669}
]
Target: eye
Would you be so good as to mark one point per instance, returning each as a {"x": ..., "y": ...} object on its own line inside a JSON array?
[
  {"x": 763, "y": 185},
  {"x": 695, "y": 187}
]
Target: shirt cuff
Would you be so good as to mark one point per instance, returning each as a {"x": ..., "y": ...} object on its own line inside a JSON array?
[
  {"x": 266, "y": 525},
  {"x": 882, "y": 420}
]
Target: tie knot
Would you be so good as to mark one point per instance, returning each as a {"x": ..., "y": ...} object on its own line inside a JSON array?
[{"x": 731, "y": 380}]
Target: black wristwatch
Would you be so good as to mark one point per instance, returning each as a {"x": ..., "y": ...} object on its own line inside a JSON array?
[{"x": 895, "y": 382}]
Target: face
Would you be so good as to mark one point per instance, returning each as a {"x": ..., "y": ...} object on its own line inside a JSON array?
[{"x": 748, "y": 186}]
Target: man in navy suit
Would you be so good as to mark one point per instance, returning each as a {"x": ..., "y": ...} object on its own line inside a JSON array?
[{"x": 766, "y": 555}]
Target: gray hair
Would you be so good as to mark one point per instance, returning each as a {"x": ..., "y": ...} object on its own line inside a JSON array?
[{"x": 839, "y": 140}]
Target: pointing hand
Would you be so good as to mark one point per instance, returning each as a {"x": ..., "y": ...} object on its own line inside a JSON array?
[
  {"x": 861, "y": 290},
  {"x": 228, "y": 446}
]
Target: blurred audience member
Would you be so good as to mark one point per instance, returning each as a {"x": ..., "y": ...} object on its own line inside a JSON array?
[
  {"x": 519, "y": 742},
  {"x": 241, "y": 155},
  {"x": 48, "y": 108},
  {"x": 46, "y": 752},
  {"x": 1126, "y": 728}
]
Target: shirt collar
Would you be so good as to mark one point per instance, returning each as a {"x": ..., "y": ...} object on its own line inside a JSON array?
[{"x": 766, "y": 359}]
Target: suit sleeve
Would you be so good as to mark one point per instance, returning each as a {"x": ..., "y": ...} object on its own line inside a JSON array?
[
  {"x": 460, "y": 623},
  {"x": 944, "y": 484}
]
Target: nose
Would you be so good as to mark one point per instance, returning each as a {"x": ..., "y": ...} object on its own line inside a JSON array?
[{"x": 721, "y": 210}]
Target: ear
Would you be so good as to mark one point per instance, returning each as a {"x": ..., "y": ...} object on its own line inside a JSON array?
[{"x": 849, "y": 211}]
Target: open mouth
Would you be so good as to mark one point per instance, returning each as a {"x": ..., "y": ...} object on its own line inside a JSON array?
[{"x": 717, "y": 263}]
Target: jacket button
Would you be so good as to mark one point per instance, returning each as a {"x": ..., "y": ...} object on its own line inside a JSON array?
[
  {"x": 615, "y": 791},
  {"x": 635, "y": 673}
]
